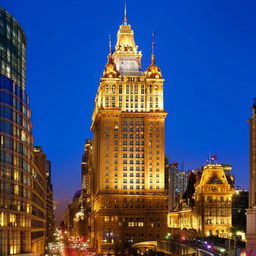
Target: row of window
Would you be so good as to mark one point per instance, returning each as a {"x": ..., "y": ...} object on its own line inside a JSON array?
[
  {"x": 131, "y": 187},
  {"x": 131, "y": 142},
  {"x": 6, "y": 112},
  {"x": 6, "y": 157},
  {"x": 16, "y": 205},
  {"x": 8, "y": 99},
  {"x": 8, "y": 143},
  {"x": 137, "y": 136},
  {"x": 132, "y": 149},
  {"x": 217, "y": 221},
  {"x": 15, "y": 175},
  {"x": 11, "y": 129},
  {"x": 133, "y": 162},
  {"x": 14, "y": 220},
  {"x": 14, "y": 189},
  {"x": 131, "y": 105},
  {"x": 136, "y": 122},
  {"x": 133, "y": 155}
]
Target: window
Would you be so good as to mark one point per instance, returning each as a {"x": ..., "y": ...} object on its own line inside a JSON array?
[
  {"x": 208, "y": 221},
  {"x": 120, "y": 89},
  {"x": 106, "y": 101},
  {"x": 209, "y": 199},
  {"x": 113, "y": 101}
]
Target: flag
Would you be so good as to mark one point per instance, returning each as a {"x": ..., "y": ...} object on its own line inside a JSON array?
[{"x": 213, "y": 157}]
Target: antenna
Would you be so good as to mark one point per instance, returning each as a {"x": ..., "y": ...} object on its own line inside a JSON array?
[{"x": 125, "y": 14}]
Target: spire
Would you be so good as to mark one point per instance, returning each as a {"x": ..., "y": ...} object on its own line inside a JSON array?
[
  {"x": 110, "y": 44},
  {"x": 125, "y": 14},
  {"x": 153, "y": 49}
]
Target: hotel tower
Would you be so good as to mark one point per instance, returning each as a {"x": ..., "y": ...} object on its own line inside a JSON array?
[
  {"x": 129, "y": 203},
  {"x": 22, "y": 183}
]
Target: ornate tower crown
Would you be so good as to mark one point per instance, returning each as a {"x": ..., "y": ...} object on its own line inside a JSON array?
[{"x": 126, "y": 56}]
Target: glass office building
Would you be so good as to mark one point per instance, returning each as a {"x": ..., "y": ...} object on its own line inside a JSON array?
[{"x": 22, "y": 184}]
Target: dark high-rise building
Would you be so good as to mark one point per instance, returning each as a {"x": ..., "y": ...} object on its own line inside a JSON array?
[
  {"x": 22, "y": 185},
  {"x": 177, "y": 184},
  {"x": 44, "y": 166},
  {"x": 251, "y": 212},
  {"x": 50, "y": 219},
  {"x": 239, "y": 206}
]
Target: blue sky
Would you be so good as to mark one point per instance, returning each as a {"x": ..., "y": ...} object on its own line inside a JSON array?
[{"x": 207, "y": 53}]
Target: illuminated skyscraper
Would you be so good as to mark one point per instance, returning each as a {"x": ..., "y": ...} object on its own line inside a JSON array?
[
  {"x": 129, "y": 200},
  {"x": 251, "y": 212},
  {"x": 22, "y": 184}
]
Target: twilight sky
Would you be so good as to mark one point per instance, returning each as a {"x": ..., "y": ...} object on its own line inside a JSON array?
[{"x": 207, "y": 53}]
